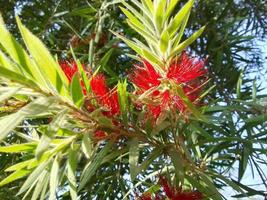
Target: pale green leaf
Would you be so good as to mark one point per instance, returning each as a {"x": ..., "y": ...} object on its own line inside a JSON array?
[
  {"x": 54, "y": 178},
  {"x": 71, "y": 169},
  {"x": 149, "y": 5},
  {"x": 133, "y": 157},
  {"x": 46, "y": 63},
  {"x": 87, "y": 145},
  {"x": 42, "y": 146},
  {"x": 19, "y": 55},
  {"x": 33, "y": 178},
  {"x": 8, "y": 123},
  {"x": 160, "y": 14},
  {"x": 9, "y": 93},
  {"x": 39, "y": 186}
]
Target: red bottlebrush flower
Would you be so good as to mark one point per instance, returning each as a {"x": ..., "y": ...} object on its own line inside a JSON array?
[
  {"x": 104, "y": 96},
  {"x": 192, "y": 195},
  {"x": 145, "y": 196},
  {"x": 177, "y": 194},
  {"x": 70, "y": 68},
  {"x": 184, "y": 71},
  {"x": 168, "y": 190},
  {"x": 100, "y": 135},
  {"x": 145, "y": 77}
]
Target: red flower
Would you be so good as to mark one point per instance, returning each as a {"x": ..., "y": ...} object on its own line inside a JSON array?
[
  {"x": 70, "y": 68},
  {"x": 186, "y": 69},
  {"x": 177, "y": 194},
  {"x": 145, "y": 77},
  {"x": 185, "y": 72},
  {"x": 100, "y": 135},
  {"x": 104, "y": 95},
  {"x": 172, "y": 193},
  {"x": 169, "y": 191}
]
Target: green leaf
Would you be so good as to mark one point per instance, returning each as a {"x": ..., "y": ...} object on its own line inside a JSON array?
[
  {"x": 148, "y": 36},
  {"x": 42, "y": 146},
  {"x": 5, "y": 62},
  {"x": 19, "y": 166},
  {"x": 71, "y": 169},
  {"x": 130, "y": 43},
  {"x": 76, "y": 91},
  {"x": 33, "y": 178},
  {"x": 170, "y": 8},
  {"x": 18, "y": 148},
  {"x": 81, "y": 71},
  {"x": 208, "y": 181},
  {"x": 178, "y": 164},
  {"x": 239, "y": 85},
  {"x": 188, "y": 103},
  {"x": 250, "y": 190},
  {"x": 246, "y": 151},
  {"x": 14, "y": 176},
  {"x": 146, "y": 19},
  {"x": 8, "y": 123},
  {"x": 45, "y": 186},
  {"x": 187, "y": 42},
  {"x": 19, "y": 55},
  {"x": 93, "y": 165},
  {"x": 104, "y": 61},
  {"x": 123, "y": 100},
  {"x": 178, "y": 37},
  {"x": 132, "y": 18},
  {"x": 149, "y": 5},
  {"x": 229, "y": 182},
  {"x": 176, "y": 23},
  {"x": 87, "y": 145},
  {"x": 54, "y": 178},
  {"x": 47, "y": 65},
  {"x": 164, "y": 41},
  {"x": 18, "y": 78},
  {"x": 153, "y": 59},
  {"x": 160, "y": 14},
  {"x": 152, "y": 156},
  {"x": 40, "y": 185},
  {"x": 9, "y": 93},
  {"x": 133, "y": 157}
]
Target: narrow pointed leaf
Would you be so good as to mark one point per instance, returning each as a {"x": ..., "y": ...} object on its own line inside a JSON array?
[
  {"x": 176, "y": 23},
  {"x": 76, "y": 90},
  {"x": 46, "y": 63},
  {"x": 14, "y": 176},
  {"x": 133, "y": 157},
  {"x": 187, "y": 42},
  {"x": 54, "y": 178}
]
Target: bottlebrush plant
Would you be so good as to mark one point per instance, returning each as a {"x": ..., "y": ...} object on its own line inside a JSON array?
[{"x": 84, "y": 138}]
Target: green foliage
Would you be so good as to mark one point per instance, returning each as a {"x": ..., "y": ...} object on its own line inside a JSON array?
[{"x": 49, "y": 134}]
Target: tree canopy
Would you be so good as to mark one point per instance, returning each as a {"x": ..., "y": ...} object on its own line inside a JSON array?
[{"x": 47, "y": 136}]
